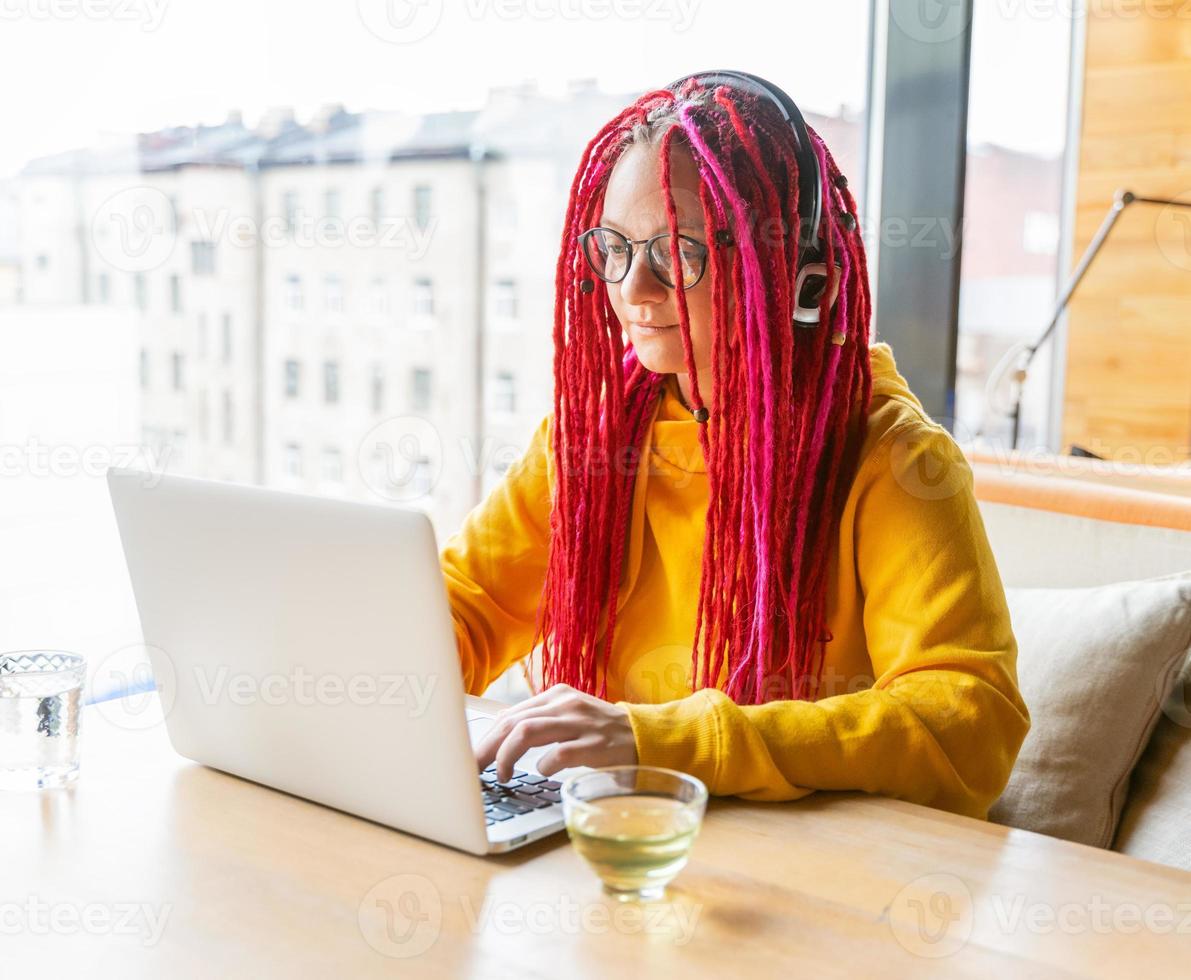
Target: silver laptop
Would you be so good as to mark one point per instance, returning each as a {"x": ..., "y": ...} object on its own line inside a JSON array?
[{"x": 306, "y": 643}]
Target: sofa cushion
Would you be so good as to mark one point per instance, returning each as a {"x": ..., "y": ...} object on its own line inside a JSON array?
[
  {"x": 1156, "y": 824},
  {"x": 1095, "y": 666}
]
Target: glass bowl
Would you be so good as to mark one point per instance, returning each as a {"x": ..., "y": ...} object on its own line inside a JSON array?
[{"x": 634, "y": 825}]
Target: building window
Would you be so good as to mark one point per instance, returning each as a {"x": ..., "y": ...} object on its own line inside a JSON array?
[
  {"x": 505, "y": 296},
  {"x": 331, "y": 203},
  {"x": 422, "y": 203},
  {"x": 423, "y": 297},
  {"x": 293, "y": 459},
  {"x": 293, "y": 378},
  {"x": 229, "y": 430},
  {"x": 204, "y": 424},
  {"x": 378, "y": 297},
  {"x": 376, "y": 206},
  {"x": 331, "y": 382},
  {"x": 201, "y": 336},
  {"x": 378, "y": 388},
  {"x": 226, "y": 333},
  {"x": 176, "y": 293},
  {"x": 202, "y": 258},
  {"x": 293, "y": 292},
  {"x": 178, "y": 362},
  {"x": 144, "y": 368},
  {"x": 333, "y": 294},
  {"x": 504, "y": 393},
  {"x": 140, "y": 291},
  {"x": 421, "y": 389},
  {"x": 104, "y": 288},
  {"x": 332, "y": 465},
  {"x": 289, "y": 211}
]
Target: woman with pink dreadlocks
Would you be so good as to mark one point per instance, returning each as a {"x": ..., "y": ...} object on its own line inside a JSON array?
[{"x": 737, "y": 546}]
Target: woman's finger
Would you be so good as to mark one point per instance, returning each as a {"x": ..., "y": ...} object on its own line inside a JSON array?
[
  {"x": 485, "y": 749},
  {"x": 529, "y": 734}
]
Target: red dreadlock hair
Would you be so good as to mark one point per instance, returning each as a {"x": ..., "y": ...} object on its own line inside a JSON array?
[{"x": 780, "y": 453}]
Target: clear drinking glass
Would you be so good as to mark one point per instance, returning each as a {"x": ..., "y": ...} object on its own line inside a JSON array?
[
  {"x": 40, "y": 697},
  {"x": 634, "y": 825}
]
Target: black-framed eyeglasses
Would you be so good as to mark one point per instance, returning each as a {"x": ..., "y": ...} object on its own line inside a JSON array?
[{"x": 609, "y": 254}]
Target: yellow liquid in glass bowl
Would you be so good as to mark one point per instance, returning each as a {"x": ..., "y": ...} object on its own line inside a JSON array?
[{"x": 635, "y": 843}]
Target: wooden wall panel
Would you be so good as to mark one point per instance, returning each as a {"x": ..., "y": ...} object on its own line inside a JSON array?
[{"x": 1128, "y": 385}]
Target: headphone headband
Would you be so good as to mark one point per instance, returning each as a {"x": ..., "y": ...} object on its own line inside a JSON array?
[{"x": 810, "y": 184}]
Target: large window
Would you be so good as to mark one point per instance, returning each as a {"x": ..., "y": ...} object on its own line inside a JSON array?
[
  {"x": 1017, "y": 130},
  {"x": 178, "y": 251}
]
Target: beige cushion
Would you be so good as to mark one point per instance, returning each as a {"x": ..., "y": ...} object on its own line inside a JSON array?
[
  {"x": 1039, "y": 549},
  {"x": 1156, "y": 824},
  {"x": 1095, "y": 666}
]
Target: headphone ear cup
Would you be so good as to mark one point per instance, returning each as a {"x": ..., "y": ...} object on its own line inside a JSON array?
[{"x": 808, "y": 290}]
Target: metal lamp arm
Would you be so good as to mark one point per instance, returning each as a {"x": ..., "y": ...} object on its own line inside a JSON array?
[{"x": 1121, "y": 200}]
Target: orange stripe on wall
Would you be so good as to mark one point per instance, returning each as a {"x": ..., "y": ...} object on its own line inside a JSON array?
[{"x": 1079, "y": 498}]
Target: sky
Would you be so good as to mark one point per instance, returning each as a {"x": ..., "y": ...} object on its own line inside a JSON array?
[{"x": 74, "y": 72}]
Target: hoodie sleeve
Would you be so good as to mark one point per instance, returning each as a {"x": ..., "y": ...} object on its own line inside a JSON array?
[
  {"x": 944, "y": 720},
  {"x": 495, "y": 566}
]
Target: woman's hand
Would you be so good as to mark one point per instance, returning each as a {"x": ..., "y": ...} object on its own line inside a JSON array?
[{"x": 590, "y": 732}]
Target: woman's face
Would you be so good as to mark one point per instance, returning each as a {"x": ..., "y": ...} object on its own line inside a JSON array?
[{"x": 635, "y": 205}]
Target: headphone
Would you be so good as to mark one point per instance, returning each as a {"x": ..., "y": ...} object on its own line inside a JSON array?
[{"x": 812, "y": 273}]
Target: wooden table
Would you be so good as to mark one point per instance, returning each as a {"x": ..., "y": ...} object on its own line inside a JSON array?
[{"x": 152, "y": 866}]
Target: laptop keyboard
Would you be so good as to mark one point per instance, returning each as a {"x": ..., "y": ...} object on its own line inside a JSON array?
[{"x": 523, "y": 793}]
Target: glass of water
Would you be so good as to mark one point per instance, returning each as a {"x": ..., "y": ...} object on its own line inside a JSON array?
[
  {"x": 634, "y": 825},
  {"x": 40, "y": 697}
]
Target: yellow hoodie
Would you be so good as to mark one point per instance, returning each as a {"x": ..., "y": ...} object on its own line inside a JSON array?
[{"x": 919, "y": 689}]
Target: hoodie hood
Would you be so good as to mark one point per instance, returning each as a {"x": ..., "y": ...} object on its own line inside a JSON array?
[{"x": 675, "y": 433}]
